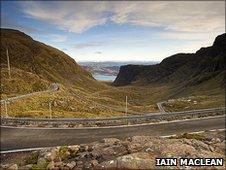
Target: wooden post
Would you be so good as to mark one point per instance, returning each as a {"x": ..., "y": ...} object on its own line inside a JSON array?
[
  {"x": 8, "y": 63},
  {"x": 50, "y": 110},
  {"x": 126, "y": 104},
  {"x": 6, "y": 109}
]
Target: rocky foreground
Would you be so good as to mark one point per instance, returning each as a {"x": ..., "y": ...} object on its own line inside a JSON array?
[{"x": 138, "y": 152}]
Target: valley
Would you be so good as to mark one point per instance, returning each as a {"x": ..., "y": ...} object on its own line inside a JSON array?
[
  {"x": 80, "y": 95},
  {"x": 101, "y": 85}
]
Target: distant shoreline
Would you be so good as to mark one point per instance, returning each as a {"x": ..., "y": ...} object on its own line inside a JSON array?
[{"x": 104, "y": 77}]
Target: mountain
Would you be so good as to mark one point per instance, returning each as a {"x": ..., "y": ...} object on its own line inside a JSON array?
[
  {"x": 109, "y": 67},
  {"x": 185, "y": 69},
  {"x": 111, "y": 71},
  {"x": 114, "y": 63},
  {"x": 46, "y": 62}
]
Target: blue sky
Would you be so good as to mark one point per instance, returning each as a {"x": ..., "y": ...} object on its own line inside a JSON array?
[{"x": 118, "y": 31}]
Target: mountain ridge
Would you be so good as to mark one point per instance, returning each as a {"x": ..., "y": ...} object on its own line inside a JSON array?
[
  {"x": 43, "y": 60},
  {"x": 190, "y": 67}
]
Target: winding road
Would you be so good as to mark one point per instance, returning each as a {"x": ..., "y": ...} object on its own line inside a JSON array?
[
  {"x": 53, "y": 87},
  {"x": 159, "y": 104},
  {"x": 22, "y": 138},
  {"x": 13, "y": 138}
]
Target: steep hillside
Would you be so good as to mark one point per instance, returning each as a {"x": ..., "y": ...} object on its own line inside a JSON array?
[
  {"x": 42, "y": 60},
  {"x": 188, "y": 69},
  {"x": 22, "y": 82},
  {"x": 34, "y": 66}
]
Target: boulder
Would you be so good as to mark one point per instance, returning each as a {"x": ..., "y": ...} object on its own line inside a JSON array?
[
  {"x": 73, "y": 150},
  {"x": 50, "y": 166},
  {"x": 52, "y": 156},
  {"x": 140, "y": 160},
  {"x": 83, "y": 148},
  {"x": 94, "y": 162},
  {"x": 71, "y": 165},
  {"x": 110, "y": 141},
  {"x": 13, "y": 167},
  {"x": 58, "y": 164},
  {"x": 215, "y": 140},
  {"x": 41, "y": 164}
]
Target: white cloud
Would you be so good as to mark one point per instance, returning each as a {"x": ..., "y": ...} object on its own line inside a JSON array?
[
  {"x": 58, "y": 38},
  {"x": 196, "y": 23},
  {"x": 71, "y": 16},
  {"x": 172, "y": 15},
  {"x": 88, "y": 44},
  {"x": 180, "y": 16}
]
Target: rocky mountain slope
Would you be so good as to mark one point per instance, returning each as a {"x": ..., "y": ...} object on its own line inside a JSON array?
[
  {"x": 46, "y": 62},
  {"x": 189, "y": 69}
]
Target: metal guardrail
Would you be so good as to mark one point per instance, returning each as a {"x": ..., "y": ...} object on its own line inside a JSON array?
[{"x": 114, "y": 120}]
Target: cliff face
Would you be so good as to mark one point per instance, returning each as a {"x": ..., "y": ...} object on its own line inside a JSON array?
[{"x": 192, "y": 68}]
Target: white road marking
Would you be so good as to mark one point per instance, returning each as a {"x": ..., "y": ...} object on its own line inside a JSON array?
[
  {"x": 213, "y": 130},
  {"x": 25, "y": 150}
]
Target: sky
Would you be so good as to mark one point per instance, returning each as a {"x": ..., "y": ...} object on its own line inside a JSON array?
[{"x": 118, "y": 30}]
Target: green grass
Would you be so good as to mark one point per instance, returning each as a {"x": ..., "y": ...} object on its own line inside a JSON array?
[
  {"x": 32, "y": 158},
  {"x": 21, "y": 82},
  {"x": 73, "y": 101},
  {"x": 194, "y": 103},
  {"x": 189, "y": 136}
]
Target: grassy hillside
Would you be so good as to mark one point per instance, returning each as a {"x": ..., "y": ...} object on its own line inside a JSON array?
[
  {"x": 45, "y": 61},
  {"x": 22, "y": 82},
  {"x": 34, "y": 66}
]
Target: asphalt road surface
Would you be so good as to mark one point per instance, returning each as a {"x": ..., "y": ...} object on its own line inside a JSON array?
[{"x": 22, "y": 138}]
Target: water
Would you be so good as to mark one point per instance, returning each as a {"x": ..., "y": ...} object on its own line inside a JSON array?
[{"x": 104, "y": 77}]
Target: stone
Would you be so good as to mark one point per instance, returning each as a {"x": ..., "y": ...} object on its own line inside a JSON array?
[
  {"x": 140, "y": 160},
  {"x": 85, "y": 155},
  {"x": 108, "y": 152},
  {"x": 94, "y": 162},
  {"x": 41, "y": 161},
  {"x": 64, "y": 154},
  {"x": 4, "y": 166},
  {"x": 24, "y": 168},
  {"x": 211, "y": 148},
  {"x": 50, "y": 166},
  {"x": 13, "y": 167},
  {"x": 41, "y": 164},
  {"x": 79, "y": 165},
  {"x": 87, "y": 165},
  {"x": 71, "y": 165},
  {"x": 90, "y": 148},
  {"x": 29, "y": 166},
  {"x": 215, "y": 140},
  {"x": 55, "y": 104},
  {"x": 83, "y": 148},
  {"x": 58, "y": 164},
  {"x": 110, "y": 141},
  {"x": 48, "y": 156},
  {"x": 71, "y": 108},
  {"x": 73, "y": 149},
  {"x": 148, "y": 150}
]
